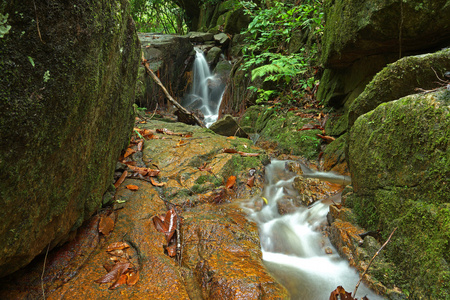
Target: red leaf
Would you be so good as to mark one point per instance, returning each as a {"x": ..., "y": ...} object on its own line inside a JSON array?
[
  {"x": 170, "y": 222},
  {"x": 121, "y": 179},
  {"x": 230, "y": 182},
  {"x": 159, "y": 224},
  {"x": 122, "y": 280}
]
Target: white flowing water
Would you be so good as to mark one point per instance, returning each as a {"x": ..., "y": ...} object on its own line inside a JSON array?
[
  {"x": 207, "y": 90},
  {"x": 293, "y": 246}
]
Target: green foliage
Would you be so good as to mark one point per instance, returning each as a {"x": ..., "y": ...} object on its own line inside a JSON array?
[
  {"x": 158, "y": 16},
  {"x": 269, "y": 35},
  {"x": 4, "y": 27}
]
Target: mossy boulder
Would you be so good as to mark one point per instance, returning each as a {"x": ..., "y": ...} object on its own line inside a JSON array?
[
  {"x": 400, "y": 79},
  {"x": 66, "y": 96},
  {"x": 356, "y": 29},
  {"x": 282, "y": 129},
  {"x": 399, "y": 158}
]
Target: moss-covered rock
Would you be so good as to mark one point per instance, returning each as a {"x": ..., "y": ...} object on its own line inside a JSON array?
[
  {"x": 355, "y": 29},
  {"x": 399, "y": 158},
  {"x": 400, "y": 79},
  {"x": 66, "y": 92}
]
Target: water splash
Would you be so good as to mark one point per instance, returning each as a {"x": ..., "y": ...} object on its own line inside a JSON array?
[
  {"x": 207, "y": 90},
  {"x": 293, "y": 246}
]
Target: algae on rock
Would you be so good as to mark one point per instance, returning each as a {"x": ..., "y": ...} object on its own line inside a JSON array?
[
  {"x": 399, "y": 158},
  {"x": 64, "y": 118}
]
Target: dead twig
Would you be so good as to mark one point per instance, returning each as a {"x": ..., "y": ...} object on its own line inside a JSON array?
[
  {"x": 180, "y": 108},
  {"x": 375, "y": 255},
  {"x": 37, "y": 25},
  {"x": 43, "y": 271}
]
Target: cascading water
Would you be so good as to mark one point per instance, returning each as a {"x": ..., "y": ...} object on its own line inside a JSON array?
[
  {"x": 293, "y": 247},
  {"x": 207, "y": 90}
]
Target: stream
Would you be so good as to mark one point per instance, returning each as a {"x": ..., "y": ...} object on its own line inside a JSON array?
[{"x": 293, "y": 246}]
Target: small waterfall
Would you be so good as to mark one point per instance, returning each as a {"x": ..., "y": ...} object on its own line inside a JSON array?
[
  {"x": 293, "y": 247},
  {"x": 207, "y": 90}
]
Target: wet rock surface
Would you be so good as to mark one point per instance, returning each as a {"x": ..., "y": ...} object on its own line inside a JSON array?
[{"x": 220, "y": 256}]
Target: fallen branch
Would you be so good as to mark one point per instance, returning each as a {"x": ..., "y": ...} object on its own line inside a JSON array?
[
  {"x": 376, "y": 254},
  {"x": 186, "y": 114}
]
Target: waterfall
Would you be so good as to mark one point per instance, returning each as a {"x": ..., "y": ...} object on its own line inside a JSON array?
[
  {"x": 293, "y": 247},
  {"x": 206, "y": 92}
]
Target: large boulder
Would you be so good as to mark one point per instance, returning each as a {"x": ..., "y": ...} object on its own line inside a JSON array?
[
  {"x": 399, "y": 158},
  {"x": 362, "y": 37},
  {"x": 170, "y": 58},
  {"x": 400, "y": 79},
  {"x": 66, "y": 93}
]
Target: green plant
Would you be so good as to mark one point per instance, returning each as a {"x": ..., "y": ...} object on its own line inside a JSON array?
[
  {"x": 4, "y": 27},
  {"x": 267, "y": 54},
  {"x": 158, "y": 16}
]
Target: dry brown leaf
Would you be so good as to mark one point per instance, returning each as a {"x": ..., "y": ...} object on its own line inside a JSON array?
[
  {"x": 155, "y": 183},
  {"x": 115, "y": 273},
  {"x": 121, "y": 179},
  {"x": 106, "y": 224},
  {"x": 117, "y": 246},
  {"x": 132, "y": 277},
  {"x": 140, "y": 145},
  {"x": 122, "y": 280},
  {"x": 230, "y": 182},
  {"x": 251, "y": 181},
  {"x": 144, "y": 171},
  {"x": 229, "y": 150},
  {"x": 247, "y": 154},
  {"x": 181, "y": 143},
  {"x": 326, "y": 138},
  {"x": 172, "y": 250},
  {"x": 132, "y": 187},
  {"x": 167, "y": 226},
  {"x": 129, "y": 152},
  {"x": 341, "y": 294}
]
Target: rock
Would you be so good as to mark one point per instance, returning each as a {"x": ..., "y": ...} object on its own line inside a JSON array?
[
  {"x": 227, "y": 126},
  {"x": 220, "y": 255},
  {"x": 212, "y": 57},
  {"x": 334, "y": 156},
  {"x": 66, "y": 97},
  {"x": 200, "y": 37},
  {"x": 170, "y": 56},
  {"x": 399, "y": 161},
  {"x": 400, "y": 79},
  {"x": 355, "y": 29},
  {"x": 222, "y": 38}
]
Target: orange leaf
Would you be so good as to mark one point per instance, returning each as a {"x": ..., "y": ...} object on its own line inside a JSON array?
[
  {"x": 115, "y": 273},
  {"x": 139, "y": 146},
  {"x": 172, "y": 250},
  {"x": 251, "y": 181},
  {"x": 230, "y": 182},
  {"x": 247, "y": 154},
  {"x": 132, "y": 187},
  {"x": 121, "y": 179},
  {"x": 155, "y": 183},
  {"x": 326, "y": 138},
  {"x": 231, "y": 137},
  {"x": 129, "y": 152},
  {"x": 106, "y": 224},
  {"x": 229, "y": 150},
  {"x": 132, "y": 277},
  {"x": 117, "y": 246},
  {"x": 122, "y": 280},
  {"x": 181, "y": 143}
]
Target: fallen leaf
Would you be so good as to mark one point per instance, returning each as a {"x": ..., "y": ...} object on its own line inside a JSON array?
[
  {"x": 116, "y": 252},
  {"x": 122, "y": 280},
  {"x": 144, "y": 171},
  {"x": 117, "y": 246},
  {"x": 132, "y": 277},
  {"x": 247, "y": 154},
  {"x": 167, "y": 226},
  {"x": 231, "y": 137},
  {"x": 230, "y": 182},
  {"x": 340, "y": 294},
  {"x": 229, "y": 150},
  {"x": 115, "y": 273},
  {"x": 129, "y": 152},
  {"x": 140, "y": 145},
  {"x": 168, "y": 132},
  {"x": 181, "y": 143},
  {"x": 251, "y": 181},
  {"x": 106, "y": 224},
  {"x": 204, "y": 167},
  {"x": 155, "y": 183},
  {"x": 132, "y": 187},
  {"x": 172, "y": 250},
  {"x": 326, "y": 138},
  {"x": 121, "y": 179}
]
